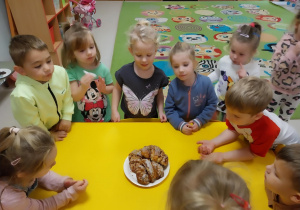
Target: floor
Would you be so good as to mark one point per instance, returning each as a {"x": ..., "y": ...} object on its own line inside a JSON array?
[{"x": 108, "y": 12}]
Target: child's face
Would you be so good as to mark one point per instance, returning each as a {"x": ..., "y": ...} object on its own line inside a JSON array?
[
  {"x": 183, "y": 67},
  {"x": 240, "y": 53},
  {"x": 238, "y": 118},
  {"x": 143, "y": 54},
  {"x": 278, "y": 179},
  {"x": 86, "y": 56},
  {"x": 38, "y": 65}
]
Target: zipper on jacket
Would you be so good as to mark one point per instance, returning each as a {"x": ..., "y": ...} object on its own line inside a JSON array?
[
  {"x": 189, "y": 103},
  {"x": 53, "y": 96}
]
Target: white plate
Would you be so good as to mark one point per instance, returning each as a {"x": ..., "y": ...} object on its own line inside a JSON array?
[
  {"x": 6, "y": 74},
  {"x": 132, "y": 176}
]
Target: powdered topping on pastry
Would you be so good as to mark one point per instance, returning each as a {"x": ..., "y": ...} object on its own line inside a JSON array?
[{"x": 148, "y": 164}]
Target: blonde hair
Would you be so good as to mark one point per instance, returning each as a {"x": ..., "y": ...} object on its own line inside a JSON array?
[
  {"x": 182, "y": 47},
  {"x": 75, "y": 38},
  {"x": 201, "y": 184},
  {"x": 142, "y": 31},
  {"x": 249, "y": 34},
  {"x": 291, "y": 155},
  {"x": 250, "y": 95},
  {"x": 30, "y": 146},
  {"x": 20, "y": 45}
]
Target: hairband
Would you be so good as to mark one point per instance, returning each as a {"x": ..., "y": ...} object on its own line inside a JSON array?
[
  {"x": 14, "y": 130},
  {"x": 240, "y": 201}
]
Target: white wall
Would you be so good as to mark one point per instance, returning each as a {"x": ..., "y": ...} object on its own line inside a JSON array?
[{"x": 4, "y": 34}]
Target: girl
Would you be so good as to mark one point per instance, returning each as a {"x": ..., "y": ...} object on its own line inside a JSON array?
[
  {"x": 200, "y": 184},
  {"x": 90, "y": 80},
  {"x": 191, "y": 100},
  {"x": 285, "y": 77},
  {"x": 238, "y": 63},
  {"x": 140, "y": 81},
  {"x": 26, "y": 157}
]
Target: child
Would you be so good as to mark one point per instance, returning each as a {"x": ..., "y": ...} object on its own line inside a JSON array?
[
  {"x": 27, "y": 155},
  {"x": 200, "y": 184},
  {"x": 282, "y": 179},
  {"x": 245, "y": 102},
  {"x": 238, "y": 63},
  {"x": 191, "y": 100},
  {"x": 140, "y": 81},
  {"x": 90, "y": 79},
  {"x": 285, "y": 77},
  {"x": 42, "y": 96}
]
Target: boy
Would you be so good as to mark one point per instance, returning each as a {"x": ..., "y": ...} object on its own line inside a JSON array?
[
  {"x": 42, "y": 96},
  {"x": 282, "y": 179},
  {"x": 246, "y": 115}
]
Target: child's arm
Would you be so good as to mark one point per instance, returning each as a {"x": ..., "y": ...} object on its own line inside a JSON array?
[
  {"x": 210, "y": 106},
  {"x": 170, "y": 108},
  {"x": 25, "y": 111},
  {"x": 116, "y": 96},
  {"x": 15, "y": 199},
  {"x": 67, "y": 106},
  {"x": 214, "y": 76},
  {"x": 160, "y": 105},
  {"x": 78, "y": 92},
  {"x": 225, "y": 137},
  {"x": 243, "y": 154}
]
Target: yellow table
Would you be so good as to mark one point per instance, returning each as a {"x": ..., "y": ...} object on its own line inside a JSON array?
[{"x": 97, "y": 151}]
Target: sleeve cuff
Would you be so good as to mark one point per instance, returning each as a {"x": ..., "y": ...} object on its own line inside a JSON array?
[
  {"x": 181, "y": 126},
  {"x": 198, "y": 122}
]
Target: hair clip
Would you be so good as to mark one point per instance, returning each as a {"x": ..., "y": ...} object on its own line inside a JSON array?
[
  {"x": 15, "y": 162},
  {"x": 245, "y": 35},
  {"x": 252, "y": 25},
  {"x": 14, "y": 130},
  {"x": 240, "y": 201}
]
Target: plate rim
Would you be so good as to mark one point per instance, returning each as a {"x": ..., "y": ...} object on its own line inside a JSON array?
[{"x": 127, "y": 172}]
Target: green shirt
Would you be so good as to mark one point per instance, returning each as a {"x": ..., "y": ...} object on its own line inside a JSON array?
[
  {"x": 94, "y": 106},
  {"x": 43, "y": 105}
]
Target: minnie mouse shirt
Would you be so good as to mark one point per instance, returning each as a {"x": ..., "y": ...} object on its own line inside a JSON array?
[
  {"x": 94, "y": 106},
  {"x": 139, "y": 95}
]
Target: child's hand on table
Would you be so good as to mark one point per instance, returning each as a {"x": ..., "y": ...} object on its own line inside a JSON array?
[
  {"x": 64, "y": 125},
  {"x": 69, "y": 182},
  {"x": 58, "y": 135},
  {"x": 194, "y": 126},
  {"x": 115, "y": 116},
  {"x": 206, "y": 148},
  {"x": 187, "y": 129},
  {"x": 80, "y": 186},
  {"x": 162, "y": 117}
]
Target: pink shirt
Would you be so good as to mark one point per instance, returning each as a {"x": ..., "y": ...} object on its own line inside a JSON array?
[{"x": 12, "y": 198}]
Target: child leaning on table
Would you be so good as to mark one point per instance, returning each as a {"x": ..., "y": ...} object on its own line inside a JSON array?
[
  {"x": 246, "y": 115},
  {"x": 90, "y": 79},
  {"x": 282, "y": 179},
  {"x": 238, "y": 64},
  {"x": 26, "y": 157},
  {"x": 285, "y": 77},
  {"x": 140, "y": 81},
  {"x": 200, "y": 184},
  {"x": 42, "y": 96},
  {"x": 191, "y": 100}
]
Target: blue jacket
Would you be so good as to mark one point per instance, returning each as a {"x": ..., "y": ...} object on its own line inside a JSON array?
[{"x": 197, "y": 102}]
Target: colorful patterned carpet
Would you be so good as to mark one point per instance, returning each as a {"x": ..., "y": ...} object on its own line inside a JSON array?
[{"x": 206, "y": 24}]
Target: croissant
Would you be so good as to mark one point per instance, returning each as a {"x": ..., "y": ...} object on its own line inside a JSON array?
[{"x": 148, "y": 164}]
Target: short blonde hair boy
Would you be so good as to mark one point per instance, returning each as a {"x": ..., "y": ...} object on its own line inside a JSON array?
[
  {"x": 200, "y": 184},
  {"x": 249, "y": 95},
  {"x": 20, "y": 45}
]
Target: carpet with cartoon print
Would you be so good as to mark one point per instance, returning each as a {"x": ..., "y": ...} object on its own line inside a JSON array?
[{"x": 206, "y": 24}]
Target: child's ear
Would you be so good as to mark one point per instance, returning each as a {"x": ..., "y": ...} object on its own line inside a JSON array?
[
  {"x": 20, "y": 70},
  {"x": 130, "y": 50},
  {"x": 296, "y": 198},
  {"x": 259, "y": 115}
]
